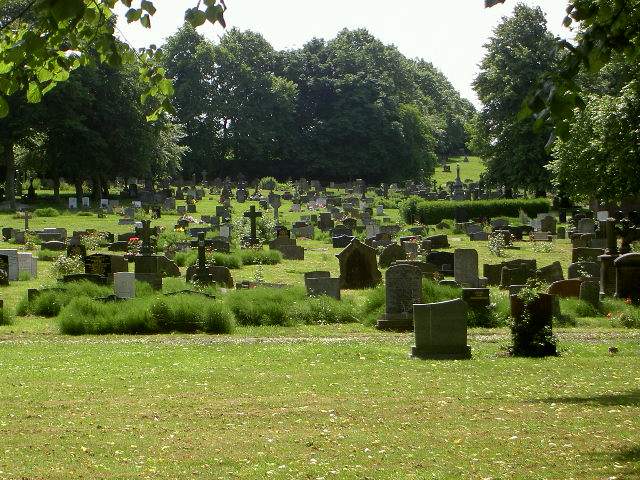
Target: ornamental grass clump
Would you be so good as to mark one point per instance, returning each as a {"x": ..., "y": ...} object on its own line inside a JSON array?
[
  {"x": 185, "y": 313},
  {"x": 49, "y": 302}
]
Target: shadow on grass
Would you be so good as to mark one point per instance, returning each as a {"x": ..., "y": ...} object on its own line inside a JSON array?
[
  {"x": 629, "y": 458},
  {"x": 629, "y": 398}
]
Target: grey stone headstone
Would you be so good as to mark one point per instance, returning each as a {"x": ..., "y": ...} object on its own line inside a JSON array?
[
  {"x": 441, "y": 330},
  {"x": 403, "y": 288},
  {"x": 27, "y": 263},
  {"x": 323, "y": 286},
  {"x": 590, "y": 293},
  {"x": 124, "y": 284},
  {"x": 583, "y": 269},
  {"x": 12, "y": 260},
  {"x": 465, "y": 267},
  {"x": 73, "y": 202},
  {"x": 550, "y": 273}
]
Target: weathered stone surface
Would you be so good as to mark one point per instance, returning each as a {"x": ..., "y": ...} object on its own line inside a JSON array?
[{"x": 441, "y": 330}]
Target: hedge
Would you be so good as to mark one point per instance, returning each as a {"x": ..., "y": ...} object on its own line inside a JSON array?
[{"x": 430, "y": 212}]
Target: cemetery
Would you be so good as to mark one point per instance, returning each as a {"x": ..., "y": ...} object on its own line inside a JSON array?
[
  {"x": 381, "y": 301},
  {"x": 228, "y": 254}
]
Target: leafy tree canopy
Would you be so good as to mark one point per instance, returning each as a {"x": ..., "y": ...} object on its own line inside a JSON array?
[{"x": 42, "y": 41}]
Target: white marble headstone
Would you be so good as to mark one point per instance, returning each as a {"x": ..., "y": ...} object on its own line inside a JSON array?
[{"x": 86, "y": 203}]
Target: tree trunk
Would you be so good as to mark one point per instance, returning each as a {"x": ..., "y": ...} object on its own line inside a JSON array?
[
  {"x": 78, "y": 184},
  {"x": 105, "y": 189},
  {"x": 56, "y": 189},
  {"x": 96, "y": 190},
  {"x": 9, "y": 158}
]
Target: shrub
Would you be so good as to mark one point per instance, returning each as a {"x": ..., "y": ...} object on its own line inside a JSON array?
[
  {"x": 229, "y": 260},
  {"x": 49, "y": 303},
  {"x": 267, "y": 183},
  {"x": 93, "y": 240},
  {"x": 430, "y": 212},
  {"x": 323, "y": 310},
  {"x": 84, "y": 213},
  {"x": 5, "y": 317},
  {"x": 64, "y": 265},
  {"x": 183, "y": 313},
  {"x": 46, "y": 212},
  {"x": 529, "y": 338},
  {"x": 167, "y": 241},
  {"x": 254, "y": 256},
  {"x": 185, "y": 259},
  {"x": 265, "y": 306},
  {"x": 621, "y": 313}
]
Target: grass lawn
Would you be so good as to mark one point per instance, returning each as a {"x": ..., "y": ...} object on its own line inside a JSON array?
[{"x": 312, "y": 402}]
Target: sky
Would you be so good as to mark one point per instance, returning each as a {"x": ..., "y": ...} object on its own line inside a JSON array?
[{"x": 448, "y": 33}]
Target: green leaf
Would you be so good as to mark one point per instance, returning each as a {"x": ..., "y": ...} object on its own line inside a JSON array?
[
  {"x": 133, "y": 15},
  {"x": 44, "y": 75},
  {"x": 126, "y": 3},
  {"x": 165, "y": 86},
  {"x": 146, "y": 21},
  {"x": 4, "y": 107},
  {"x": 66, "y": 9},
  {"x": 195, "y": 17},
  {"x": 147, "y": 6},
  {"x": 34, "y": 94},
  {"x": 5, "y": 67}
]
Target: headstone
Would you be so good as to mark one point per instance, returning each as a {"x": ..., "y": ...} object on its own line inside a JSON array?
[
  {"x": 73, "y": 203},
  {"x": 627, "y": 276},
  {"x": 586, "y": 254},
  {"x": 403, "y": 289},
  {"x": 322, "y": 285},
  {"x": 4, "y": 270},
  {"x": 12, "y": 261},
  {"x": 586, "y": 225},
  {"x": 86, "y": 202},
  {"x": 583, "y": 270},
  {"x": 548, "y": 224},
  {"x": 550, "y": 273},
  {"x": 465, "y": 267},
  {"x": 565, "y": 288},
  {"x": 53, "y": 245},
  {"x": 441, "y": 330},
  {"x": 358, "y": 266},
  {"x": 252, "y": 215},
  {"x": 390, "y": 254},
  {"x": 27, "y": 263},
  {"x": 438, "y": 241},
  {"x": 540, "y": 313},
  {"x": 590, "y": 293},
  {"x": 515, "y": 275},
  {"x": 124, "y": 284},
  {"x": 443, "y": 260}
]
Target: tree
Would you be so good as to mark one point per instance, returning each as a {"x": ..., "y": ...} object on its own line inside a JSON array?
[
  {"x": 519, "y": 51},
  {"x": 37, "y": 38},
  {"x": 601, "y": 156},
  {"x": 607, "y": 28}
]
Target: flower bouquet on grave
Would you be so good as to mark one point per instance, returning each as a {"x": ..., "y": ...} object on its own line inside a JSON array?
[{"x": 133, "y": 246}]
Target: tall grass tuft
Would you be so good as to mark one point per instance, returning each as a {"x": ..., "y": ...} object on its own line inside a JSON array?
[
  {"x": 265, "y": 306},
  {"x": 185, "y": 313},
  {"x": 49, "y": 303},
  {"x": 373, "y": 306},
  {"x": 46, "y": 212},
  {"x": 253, "y": 256},
  {"x": 5, "y": 317},
  {"x": 323, "y": 310}
]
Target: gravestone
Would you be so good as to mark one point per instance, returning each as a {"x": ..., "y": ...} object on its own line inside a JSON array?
[
  {"x": 586, "y": 254},
  {"x": 590, "y": 293},
  {"x": 124, "y": 284},
  {"x": 12, "y": 262},
  {"x": 477, "y": 299},
  {"x": 548, "y": 224},
  {"x": 586, "y": 225},
  {"x": 73, "y": 203},
  {"x": 441, "y": 330},
  {"x": 583, "y": 270},
  {"x": 540, "y": 315},
  {"x": 390, "y": 254},
  {"x": 252, "y": 215},
  {"x": 320, "y": 283},
  {"x": 86, "y": 203},
  {"x": 550, "y": 273},
  {"x": 627, "y": 276},
  {"x": 465, "y": 267},
  {"x": 403, "y": 289},
  {"x": 515, "y": 275},
  {"x": 201, "y": 275},
  {"x": 27, "y": 263},
  {"x": 292, "y": 252},
  {"x": 438, "y": 241},
  {"x": 358, "y": 266},
  {"x": 4, "y": 270},
  {"x": 53, "y": 245},
  {"x": 565, "y": 288},
  {"x": 341, "y": 241},
  {"x": 443, "y": 260}
]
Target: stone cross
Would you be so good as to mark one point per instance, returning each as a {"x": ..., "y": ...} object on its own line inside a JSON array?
[
  {"x": 200, "y": 244},
  {"x": 252, "y": 215},
  {"x": 145, "y": 236},
  {"x": 275, "y": 202},
  {"x": 26, "y": 221}
]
